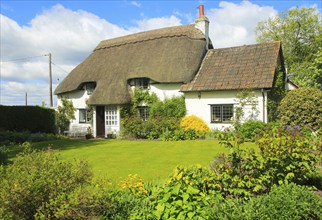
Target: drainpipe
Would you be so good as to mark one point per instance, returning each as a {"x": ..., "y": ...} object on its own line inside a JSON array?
[{"x": 263, "y": 94}]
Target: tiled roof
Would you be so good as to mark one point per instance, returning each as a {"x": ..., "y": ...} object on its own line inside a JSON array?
[{"x": 250, "y": 66}]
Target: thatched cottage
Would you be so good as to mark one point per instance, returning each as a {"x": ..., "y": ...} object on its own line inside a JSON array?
[{"x": 170, "y": 62}]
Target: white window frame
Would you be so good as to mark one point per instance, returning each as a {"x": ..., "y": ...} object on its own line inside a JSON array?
[{"x": 111, "y": 116}]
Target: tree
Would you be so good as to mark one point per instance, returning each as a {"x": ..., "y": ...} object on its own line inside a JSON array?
[
  {"x": 65, "y": 113},
  {"x": 300, "y": 31},
  {"x": 302, "y": 107}
]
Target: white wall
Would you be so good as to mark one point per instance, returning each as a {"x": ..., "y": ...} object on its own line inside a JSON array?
[
  {"x": 166, "y": 90},
  {"x": 78, "y": 98},
  {"x": 199, "y": 104}
]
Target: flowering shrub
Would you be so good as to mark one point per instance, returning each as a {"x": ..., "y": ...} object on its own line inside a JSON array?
[
  {"x": 195, "y": 123},
  {"x": 135, "y": 184}
]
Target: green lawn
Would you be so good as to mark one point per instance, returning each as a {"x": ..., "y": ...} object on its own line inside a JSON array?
[{"x": 151, "y": 160}]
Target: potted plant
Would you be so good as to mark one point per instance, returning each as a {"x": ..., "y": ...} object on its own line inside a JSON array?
[{"x": 89, "y": 134}]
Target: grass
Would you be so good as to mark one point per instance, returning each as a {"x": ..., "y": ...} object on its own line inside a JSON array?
[{"x": 151, "y": 160}]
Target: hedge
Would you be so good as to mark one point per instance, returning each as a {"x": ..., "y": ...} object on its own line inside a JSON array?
[{"x": 27, "y": 118}]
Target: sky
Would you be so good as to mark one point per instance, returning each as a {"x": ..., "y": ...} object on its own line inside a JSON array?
[{"x": 70, "y": 30}]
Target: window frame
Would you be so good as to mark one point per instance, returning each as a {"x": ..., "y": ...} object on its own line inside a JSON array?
[
  {"x": 221, "y": 117},
  {"x": 111, "y": 116},
  {"x": 87, "y": 119},
  {"x": 142, "y": 83},
  {"x": 145, "y": 115}
]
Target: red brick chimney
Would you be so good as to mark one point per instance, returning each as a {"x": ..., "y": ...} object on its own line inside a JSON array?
[{"x": 202, "y": 23}]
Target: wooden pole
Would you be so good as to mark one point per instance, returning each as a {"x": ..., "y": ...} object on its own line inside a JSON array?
[
  {"x": 26, "y": 98},
  {"x": 50, "y": 82}
]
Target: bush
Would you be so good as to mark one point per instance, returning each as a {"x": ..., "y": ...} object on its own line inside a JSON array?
[
  {"x": 35, "y": 179},
  {"x": 9, "y": 137},
  {"x": 248, "y": 129},
  {"x": 285, "y": 156},
  {"x": 188, "y": 194},
  {"x": 302, "y": 107},
  {"x": 195, "y": 123},
  {"x": 288, "y": 201},
  {"x": 27, "y": 118}
]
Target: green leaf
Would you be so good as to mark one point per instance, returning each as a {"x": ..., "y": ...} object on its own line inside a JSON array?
[{"x": 192, "y": 190}]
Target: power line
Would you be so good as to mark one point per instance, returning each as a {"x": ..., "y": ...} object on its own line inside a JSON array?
[
  {"x": 22, "y": 59},
  {"x": 59, "y": 67}
]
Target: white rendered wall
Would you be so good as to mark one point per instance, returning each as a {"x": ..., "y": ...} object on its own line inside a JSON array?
[
  {"x": 198, "y": 104},
  {"x": 166, "y": 90},
  {"x": 78, "y": 98}
]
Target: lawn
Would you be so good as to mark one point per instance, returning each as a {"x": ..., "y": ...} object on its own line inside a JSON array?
[{"x": 151, "y": 160}]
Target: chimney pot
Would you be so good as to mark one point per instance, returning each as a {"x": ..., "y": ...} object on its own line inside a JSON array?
[{"x": 201, "y": 11}]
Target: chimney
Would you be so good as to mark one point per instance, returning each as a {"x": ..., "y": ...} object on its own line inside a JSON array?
[{"x": 202, "y": 23}]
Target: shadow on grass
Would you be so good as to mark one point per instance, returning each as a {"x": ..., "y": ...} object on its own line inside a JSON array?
[{"x": 59, "y": 145}]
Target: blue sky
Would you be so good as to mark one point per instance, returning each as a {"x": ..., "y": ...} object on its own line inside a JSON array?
[{"x": 71, "y": 29}]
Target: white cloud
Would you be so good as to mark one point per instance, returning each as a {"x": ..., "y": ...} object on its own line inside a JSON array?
[
  {"x": 234, "y": 24},
  {"x": 136, "y": 4},
  {"x": 155, "y": 23}
]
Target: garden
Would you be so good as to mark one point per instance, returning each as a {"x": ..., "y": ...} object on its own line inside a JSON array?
[{"x": 181, "y": 170}]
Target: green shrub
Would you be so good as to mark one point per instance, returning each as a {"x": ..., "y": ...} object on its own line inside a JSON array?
[
  {"x": 3, "y": 155},
  {"x": 302, "y": 107},
  {"x": 248, "y": 129},
  {"x": 285, "y": 156},
  {"x": 35, "y": 179},
  {"x": 11, "y": 137},
  {"x": 288, "y": 155},
  {"x": 288, "y": 201},
  {"x": 188, "y": 193},
  {"x": 27, "y": 118}
]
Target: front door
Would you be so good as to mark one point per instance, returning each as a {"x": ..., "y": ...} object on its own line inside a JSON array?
[{"x": 100, "y": 126}]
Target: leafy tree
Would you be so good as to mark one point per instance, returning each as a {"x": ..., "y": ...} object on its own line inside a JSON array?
[
  {"x": 300, "y": 30},
  {"x": 65, "y": 113},
  {"x": 302, "y": 107}
]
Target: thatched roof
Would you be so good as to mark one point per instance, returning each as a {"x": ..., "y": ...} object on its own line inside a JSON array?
[
  {"x": 249, "y": 66},
  {"x": 167, "y": 55}
]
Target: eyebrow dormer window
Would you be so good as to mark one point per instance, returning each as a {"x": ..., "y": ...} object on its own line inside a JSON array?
[
  {"x": 141, "y": 83},
  {"x": 89, "y": 87}
]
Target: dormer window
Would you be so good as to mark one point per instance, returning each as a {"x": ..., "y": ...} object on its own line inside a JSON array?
[
  {"x": 89, "y": 87},
  {"x": 141, "y": 83}
]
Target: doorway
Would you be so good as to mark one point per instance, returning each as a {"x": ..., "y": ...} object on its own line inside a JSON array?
[{"x": 100, "y": 122}]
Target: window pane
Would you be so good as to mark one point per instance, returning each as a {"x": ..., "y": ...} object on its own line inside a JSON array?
[
  {"x": 82, "y": 115},
  {"x": 228, "y": 113},
  {"x": 215, "y": 113}
]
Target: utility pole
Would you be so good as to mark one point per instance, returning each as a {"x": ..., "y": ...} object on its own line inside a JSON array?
[
  {"x": 50, "y": 82},
  {"x": 26, "y": 98}
]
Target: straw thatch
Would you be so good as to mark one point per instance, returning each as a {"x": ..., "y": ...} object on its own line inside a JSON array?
[
  {"x": 168, "y": 55},
  {"x": 249, "y": 66}
]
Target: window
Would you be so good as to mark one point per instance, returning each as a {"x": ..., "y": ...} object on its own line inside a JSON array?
[
  {"x": 221, "y": 113},
  {"x": 89, "y": 87},
  {"x": 111, "y": 115},
  {"x": 142, "y": 83},
  {"x": 84, "y": 116},
  {"x": 144, "y": 112}
]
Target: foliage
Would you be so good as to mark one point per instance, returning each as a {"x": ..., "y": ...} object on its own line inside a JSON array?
[
  {"x": 135, "y": 184},
  {"x": 188, "y": 193},
  {"x": 27, "y": 119},
  {"x": 245, "y": 98},
  {"x": 288, "y": 201},
  {"x": 300, "y": 31},
  {"x": 10, "y": 137},
  {"x": 275, "y": 96},
  {"x": 249, "y": 129},
  {"x": 34, "y": 180},
  {"x": 65, "y": 113},
  {"x": 195, "y": 123},
  {"x": 163, "y": 116},
  {"x": 285, "y": 156},
  {"x": 302, "y": 107},
  {"x": 3, "y": 155}
]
